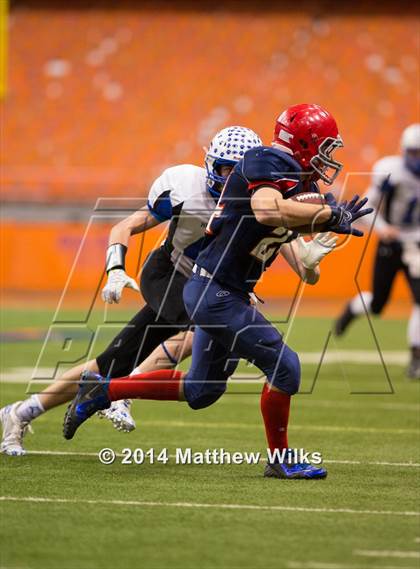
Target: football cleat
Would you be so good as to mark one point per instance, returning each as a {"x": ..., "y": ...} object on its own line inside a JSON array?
[
  {"x": 14, "y": 429},
  {"x": 413, "y": 371},
  {"x": 344, "y": 321},
  {"x": 91, "y": 397},
  {"x": 120, "y": 416},
  {"x": 299, "y": 470}
]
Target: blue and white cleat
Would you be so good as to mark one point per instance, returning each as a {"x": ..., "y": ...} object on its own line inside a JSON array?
[
  {"x": 294, "y": 471},
  {"x": 91, "y": 397},
  {"x": 120, "y": 415},
  {"x": 14, "y": 429}
]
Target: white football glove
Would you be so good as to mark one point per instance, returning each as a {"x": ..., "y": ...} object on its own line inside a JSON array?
[
  {"x": 117, "y": 280},
  {"x": 312, "y": 252}
]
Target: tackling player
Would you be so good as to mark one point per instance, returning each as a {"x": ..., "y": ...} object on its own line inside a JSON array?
[
  {"x": 186, "y": 195},
  {"x": 395, "y": 194},
  {"x": 254, "y": 219}
]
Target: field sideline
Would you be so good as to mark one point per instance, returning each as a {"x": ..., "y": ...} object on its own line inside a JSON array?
[{"x": 62, "y": 508}]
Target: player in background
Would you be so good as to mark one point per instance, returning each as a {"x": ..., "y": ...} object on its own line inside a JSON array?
[
  {"x": 254, "y": 220},
  {"x": 395, "y": 195},
  {"x": 186, "y": 196}
]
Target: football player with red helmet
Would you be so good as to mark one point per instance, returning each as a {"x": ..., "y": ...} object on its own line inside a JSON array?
[
  {"x": 310, "y": 134},
  {"x": 253, "y": 222}
]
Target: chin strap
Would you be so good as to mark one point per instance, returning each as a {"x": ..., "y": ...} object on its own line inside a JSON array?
[{"x": 214, "y": 193}]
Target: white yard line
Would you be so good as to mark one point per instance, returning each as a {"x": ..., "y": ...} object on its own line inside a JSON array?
[
  {"x": 360, "y": 401},
  {"x": 24, "y": 375},
  {"x": 391, "y": 357},
  {"x": 359, "y": 462},
  {"x": 15, "y": 567},
  {"x": 217, "y": 425},
  {"x": 324, "y": 565},
  {"x": 378, "y": 463},
  {"x": 367, "y": 357},
  {"x": 313, "y": 428},
  {"x": 62, "y": 453},
  {"x": 387, "y": 553},
  {"x": 369, "y": 404},
  {"x": 208, "y": 506},
  {"x": 253, "y": 426}
]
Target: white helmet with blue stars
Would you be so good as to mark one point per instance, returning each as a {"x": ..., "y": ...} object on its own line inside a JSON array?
[{"x": 226, "y": 149}]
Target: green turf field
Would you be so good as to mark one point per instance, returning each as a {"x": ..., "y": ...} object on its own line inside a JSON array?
[{"x": 88, "y": 515}]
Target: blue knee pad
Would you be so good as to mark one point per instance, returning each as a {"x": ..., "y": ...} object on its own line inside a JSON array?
[
  {"x": 286, "y": 374},
  {"x": 201, "y": 393},
  {"x": 201, "y": 400}
]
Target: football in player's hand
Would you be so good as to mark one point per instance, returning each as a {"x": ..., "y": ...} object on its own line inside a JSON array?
[{"x": 312, "y": 198}]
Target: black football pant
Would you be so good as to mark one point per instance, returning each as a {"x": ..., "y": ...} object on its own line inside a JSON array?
[
  {"x": 134, "y": 343},
  {"x": 162, "y": 317},
  {"x": 388, "y": 262}
]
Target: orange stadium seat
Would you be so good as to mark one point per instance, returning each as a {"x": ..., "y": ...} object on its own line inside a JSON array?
[
  {"x": 104, "y": 99},
  {"x": 100, "y": 100}
]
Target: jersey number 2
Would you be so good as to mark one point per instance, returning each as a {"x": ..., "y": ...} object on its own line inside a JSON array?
[{"x": 269, "y": 246}]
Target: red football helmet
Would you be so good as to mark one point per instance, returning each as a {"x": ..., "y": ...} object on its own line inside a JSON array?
[{"x": 310, "y": 134}]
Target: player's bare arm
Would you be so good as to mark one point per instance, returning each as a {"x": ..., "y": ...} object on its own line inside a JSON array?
[
  {"x": 119, "y": 237},
  {"x": 270, "y": 208},
  {"x": 138, "y": 222}
]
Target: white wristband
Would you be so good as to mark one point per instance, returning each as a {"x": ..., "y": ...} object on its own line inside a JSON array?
[{"x": 115, "y": 257}]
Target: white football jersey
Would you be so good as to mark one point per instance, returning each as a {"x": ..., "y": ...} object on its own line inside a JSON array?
[
  {"x": 181, "y": 195},
  {"x": 397, "y": 191}
]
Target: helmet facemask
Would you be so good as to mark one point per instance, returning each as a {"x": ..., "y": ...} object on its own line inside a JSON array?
[
  {"x": 212, "y": 163},
  {"x": 323, "y": 162}
]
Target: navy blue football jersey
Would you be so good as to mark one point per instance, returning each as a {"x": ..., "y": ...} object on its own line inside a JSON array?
[{"x": 238, "y": 248}]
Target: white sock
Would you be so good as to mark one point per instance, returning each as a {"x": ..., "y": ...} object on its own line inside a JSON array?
[
  {"x": 413, "y": 331},
  {"x": 361, "y": 302},
  {"x": 30, "y": 409}
]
